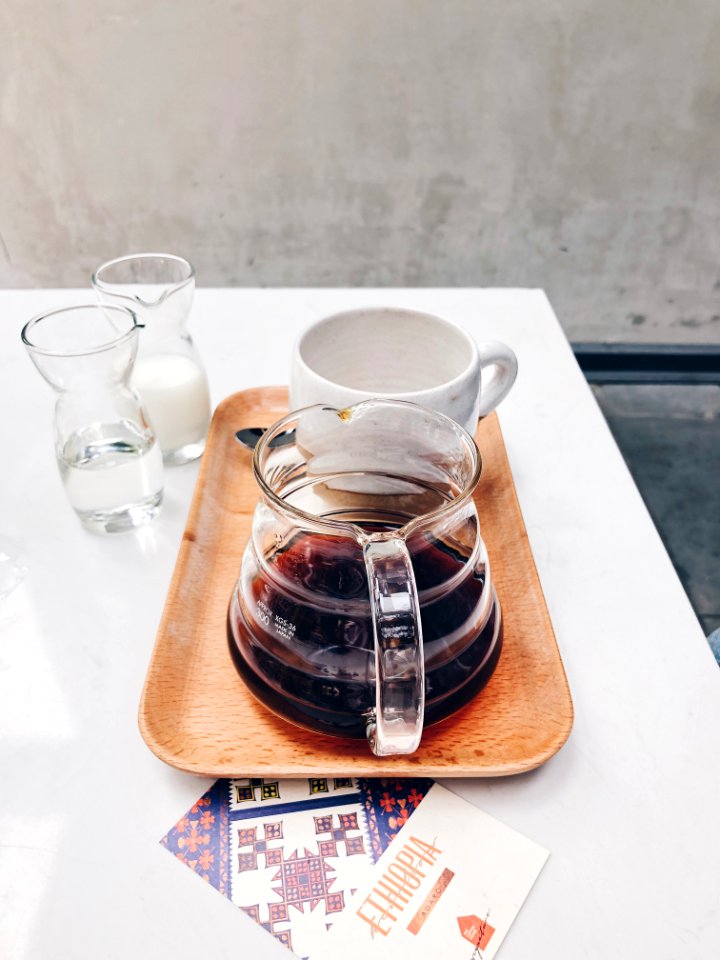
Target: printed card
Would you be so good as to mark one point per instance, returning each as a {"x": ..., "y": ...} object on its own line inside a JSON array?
[
  {"x": 291, "y": 853},
  {"x": 360, "y": 868},
  {"x": 449, "y": 885}
]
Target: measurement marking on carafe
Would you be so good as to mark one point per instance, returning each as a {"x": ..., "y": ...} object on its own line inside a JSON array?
[{"x": 283, "y": 627}]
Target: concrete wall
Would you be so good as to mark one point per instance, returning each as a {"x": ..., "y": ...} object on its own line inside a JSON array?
[{"x": 569, "y": 145}]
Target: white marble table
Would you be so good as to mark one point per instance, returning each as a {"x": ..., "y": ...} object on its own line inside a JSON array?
[{"x": 629, "y": 808}]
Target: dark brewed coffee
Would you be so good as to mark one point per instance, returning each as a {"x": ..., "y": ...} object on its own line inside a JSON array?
[{"x": 306, "y": 648}]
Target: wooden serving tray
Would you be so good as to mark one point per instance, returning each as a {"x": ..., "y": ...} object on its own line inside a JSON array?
[{"x": 197, "y": 714}]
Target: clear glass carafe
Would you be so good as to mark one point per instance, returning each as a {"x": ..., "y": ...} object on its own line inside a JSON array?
[
  {"x": 109, "y": 459},
  {"x": 169, "y": 374},
  {"x": 364, "y": 606}
]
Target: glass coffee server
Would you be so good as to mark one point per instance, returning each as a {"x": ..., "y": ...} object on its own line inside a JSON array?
[{"x": 364, "y": 606}]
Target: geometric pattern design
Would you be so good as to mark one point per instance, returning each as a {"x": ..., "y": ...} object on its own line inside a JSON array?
[
  {"x": 304, "y": 843},
  {"x": 346, "y": 822},
  {"x": 388, "y": 804},
  {"x": 305, "y": 879},
  {"x": 200, "y": 838},
  {"x": 318, "y": 785},
  {"x": 247, "y": 837},
  {"x": 256, "y": 788},
  {"x": 280, "y": 914}
]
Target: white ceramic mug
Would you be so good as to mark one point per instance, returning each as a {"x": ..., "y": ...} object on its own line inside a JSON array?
[{"x": 400, "y": 355}]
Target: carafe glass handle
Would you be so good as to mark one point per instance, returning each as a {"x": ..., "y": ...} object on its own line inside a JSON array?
[{"x": 395, "y": 726}]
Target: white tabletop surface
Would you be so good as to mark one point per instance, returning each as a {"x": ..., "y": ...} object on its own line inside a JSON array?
[{"x": 630, "y": 808}]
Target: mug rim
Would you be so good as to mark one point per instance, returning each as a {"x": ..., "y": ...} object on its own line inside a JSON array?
[{"x": 399, "y": 394}]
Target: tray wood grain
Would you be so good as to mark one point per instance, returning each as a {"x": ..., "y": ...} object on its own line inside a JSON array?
[{"x": 196, "y": 713}]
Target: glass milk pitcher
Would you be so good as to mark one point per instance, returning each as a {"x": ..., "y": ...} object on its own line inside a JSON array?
[
  {"x": 364, "y": 606},
  {"x": 169, "y": 373}
]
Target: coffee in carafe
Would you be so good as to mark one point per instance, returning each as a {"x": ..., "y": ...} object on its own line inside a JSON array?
[{"x": 365, "y": 606}]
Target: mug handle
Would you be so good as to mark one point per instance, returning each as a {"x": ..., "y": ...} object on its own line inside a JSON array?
[
  {"x": 395, "y": 725},
  {"x": 498, "y": 355}
]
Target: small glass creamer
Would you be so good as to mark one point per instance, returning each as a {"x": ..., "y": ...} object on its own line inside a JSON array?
[
  {"x": 109, "y": 459},
  {"x": 169, "y": 374}
]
